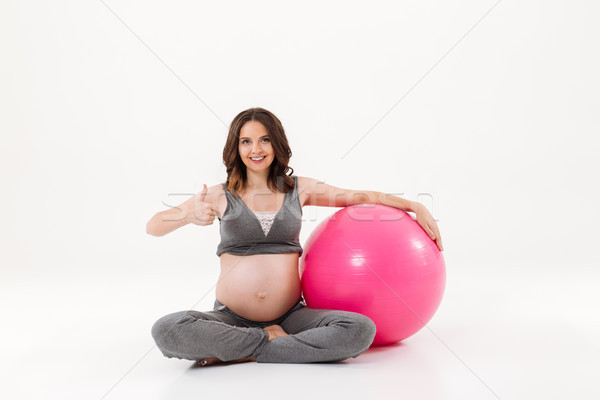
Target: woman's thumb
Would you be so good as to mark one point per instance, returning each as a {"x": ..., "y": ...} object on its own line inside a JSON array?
[{"x": 203, "y": 193}]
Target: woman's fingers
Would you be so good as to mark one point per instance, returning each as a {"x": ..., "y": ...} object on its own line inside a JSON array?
[
  {"x": 438, "y": 239},
  {"x": 425, "y": 219},
  {"x": 435, "y": 235},
  {"x": 207, "y": 211},
  {"x": 431, "y": 231}
]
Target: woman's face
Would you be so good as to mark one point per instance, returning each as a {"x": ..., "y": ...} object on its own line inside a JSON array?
[{"x": 255, "y": 142}]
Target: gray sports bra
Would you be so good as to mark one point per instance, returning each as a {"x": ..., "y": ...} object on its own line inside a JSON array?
[{"x": 242, "y": 232}]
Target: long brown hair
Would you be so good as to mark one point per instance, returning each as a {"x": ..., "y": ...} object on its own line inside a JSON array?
[{"x": 278, "y": 178}]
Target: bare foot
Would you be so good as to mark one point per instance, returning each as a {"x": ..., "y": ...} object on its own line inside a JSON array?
[
  {"x": 210, "y": 361},
  {"x": 275, "y": 331}
]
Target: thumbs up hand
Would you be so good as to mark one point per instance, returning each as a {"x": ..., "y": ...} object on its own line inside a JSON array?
[{"x": 200, "y": 212}]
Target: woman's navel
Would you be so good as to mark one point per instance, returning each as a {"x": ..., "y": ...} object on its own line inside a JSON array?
[{"x": 261, "y": 295}]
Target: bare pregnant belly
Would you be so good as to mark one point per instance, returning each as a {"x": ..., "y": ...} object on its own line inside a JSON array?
[{"x": 260, "y": 287}]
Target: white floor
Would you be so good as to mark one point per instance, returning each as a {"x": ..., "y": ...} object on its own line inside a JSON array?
[{"x": 502, "y": 332}]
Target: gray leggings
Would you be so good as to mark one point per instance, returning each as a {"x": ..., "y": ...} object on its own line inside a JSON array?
[{"x": 314, "y": 335}]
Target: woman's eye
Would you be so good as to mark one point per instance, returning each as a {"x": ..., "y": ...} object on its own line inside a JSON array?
[{"x": 246, "y": 140}]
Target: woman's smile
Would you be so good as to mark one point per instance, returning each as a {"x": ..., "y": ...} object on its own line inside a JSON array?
[{"x": 257, "y": 160}]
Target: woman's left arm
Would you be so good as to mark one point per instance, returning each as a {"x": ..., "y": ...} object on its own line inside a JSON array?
[
  {"x": 321, "y": 194},
  {"x": 424, "y": 217}
]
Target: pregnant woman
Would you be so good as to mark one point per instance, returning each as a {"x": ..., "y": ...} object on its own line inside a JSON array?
[{"x": 259, "y": 313}]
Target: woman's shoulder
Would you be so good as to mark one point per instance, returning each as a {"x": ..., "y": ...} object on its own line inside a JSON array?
[
  {"x": 305, "y": 181},
  {"x": 306, "y": 186},
  {"x": 214, "y": 192},
  {"x": 219, "y": 186}
]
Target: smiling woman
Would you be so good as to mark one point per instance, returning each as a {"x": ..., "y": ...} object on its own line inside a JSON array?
[
  {"x": 258, "y": 295},
  {"x": 260, "y": 136}
]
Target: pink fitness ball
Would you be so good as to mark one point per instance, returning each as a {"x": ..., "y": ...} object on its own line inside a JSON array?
[{"x": 377, "y": 261}]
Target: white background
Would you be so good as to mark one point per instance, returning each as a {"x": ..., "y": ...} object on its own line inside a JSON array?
[{"x": 486, "y": 112}]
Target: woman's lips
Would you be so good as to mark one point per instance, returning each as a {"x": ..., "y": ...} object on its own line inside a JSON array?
[{"x": 259, "y": 161}]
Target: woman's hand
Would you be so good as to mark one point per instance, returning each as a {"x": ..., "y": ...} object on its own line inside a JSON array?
[
  {"x": 198, "y": 211},
  {"x": 425, "y": 219}
]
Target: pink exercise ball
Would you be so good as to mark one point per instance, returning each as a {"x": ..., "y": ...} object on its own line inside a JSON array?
[{"x": 377, "y": 261}]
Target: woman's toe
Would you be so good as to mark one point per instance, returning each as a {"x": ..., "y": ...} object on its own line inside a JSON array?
[{"x": 208, "y": 361}]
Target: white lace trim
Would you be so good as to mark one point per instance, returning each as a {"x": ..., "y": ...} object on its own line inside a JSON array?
[{"x": 266, "y": 219}]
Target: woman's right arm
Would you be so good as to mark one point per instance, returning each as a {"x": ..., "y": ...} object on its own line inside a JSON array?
[
  {"x": 196, "y": 210},
  {"x": 167, "y": 221}
]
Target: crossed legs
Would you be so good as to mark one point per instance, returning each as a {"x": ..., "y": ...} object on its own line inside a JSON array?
[{"x": 302, "y": 335}]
